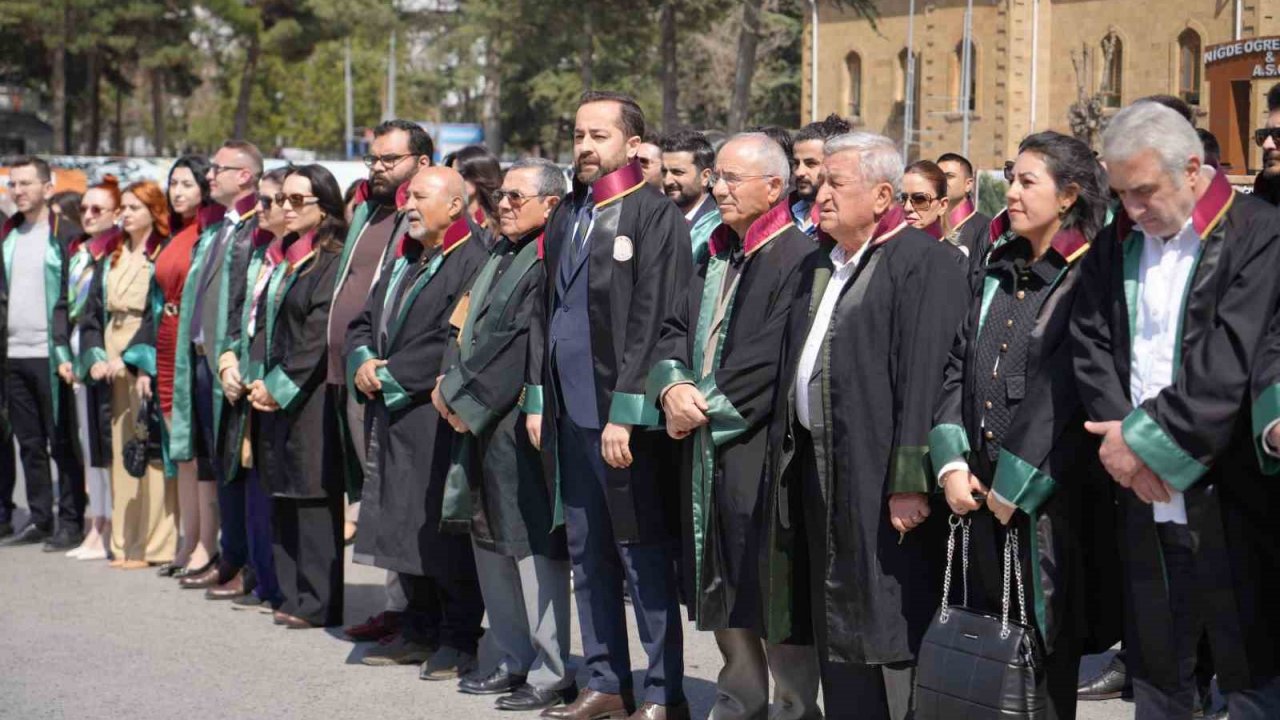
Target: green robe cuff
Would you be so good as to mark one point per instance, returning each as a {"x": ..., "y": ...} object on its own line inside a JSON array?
[
  {"x": 61, "y": 354},
  {"x": 631, "y": 409},
  {"x": 908, "y": 471},
  {"x": 947, "y": 443},
  {"x": 1021, "y": 483},
  {"x": 355, "y": 359},
  {"x": 531, "y": 400},
  {"x": 726, "y": 422},
  {"x": 1266, "y": 410},
  {"x": 1164, "y": 456},
  {"x": 282, "y": 388},
  {"x": 664, "y": 374},
  {"x": 394, "y": 396},
  {"x": 142, "y": 358},
  {"x": 87, "y": 359},
  {"x": 474, "y": 413}
]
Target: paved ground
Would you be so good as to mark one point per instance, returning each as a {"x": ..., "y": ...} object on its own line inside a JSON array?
[{"x": 79, "y": 640}]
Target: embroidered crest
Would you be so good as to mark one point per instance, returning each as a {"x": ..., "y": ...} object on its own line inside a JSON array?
[{"x": 623, "y": 248}]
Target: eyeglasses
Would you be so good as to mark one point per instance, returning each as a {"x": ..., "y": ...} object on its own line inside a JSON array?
[
  {"x": 1008, "y": 171},
  {"x": 219, "y": 169},
  {"x": 91, "y": 210},
  {"x": 387, "y": 161},
  {"x": 296, "y": 200},
  {"x": 265, "y": 201},
  {"x": 732, "y": 180},
  {"x": 1261, "y": 134},
  {"x": 918, "y": 200},
  {"x": 516, "y": 197}
]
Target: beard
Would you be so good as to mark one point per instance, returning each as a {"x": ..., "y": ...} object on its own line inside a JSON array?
[
  {"x": 683, "y": 197},
  {"x": 602, "y": 167},
  {"x": 382, "y": 188},
  {"x": 807, "y": 192},
  {"x": 1271, "y": 163}
]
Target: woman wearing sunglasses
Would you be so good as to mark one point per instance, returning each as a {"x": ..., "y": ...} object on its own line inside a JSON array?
[
  {"x": 100, "y": 210},
  {"x": 144, "y": 525},
  {"x": 1009, "y": 448},
  {"x": 924, "y": 197},
  {"x": 293, "y": 422}
]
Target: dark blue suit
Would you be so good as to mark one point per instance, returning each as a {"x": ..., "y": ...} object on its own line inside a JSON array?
[{"x": 601, "y": 563}]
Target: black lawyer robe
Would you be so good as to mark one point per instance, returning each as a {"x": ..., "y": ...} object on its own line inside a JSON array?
[
  {"x": 873, "y": 593},
  {"x": 721, "y": 493},
  {"x": 409, "y": 443},
  {"x": 291, "y": 450},
  {"x": 1048, "y": 464},
  {"x": 638, "y": 259},
  {"x": 1195, "y": 434},
  {"x": 91, "y": 318},
  {"x": 496, "y": 472}
]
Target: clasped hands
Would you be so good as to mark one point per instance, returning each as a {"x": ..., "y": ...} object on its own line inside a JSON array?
[
  {"x": 685, "y": 408},
  {"x": 437, "y": 399},
  {"x": 1124, "y": 465}
]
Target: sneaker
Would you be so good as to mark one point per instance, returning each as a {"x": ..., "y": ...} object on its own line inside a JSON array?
[
  {"x": 382, "y": 625},
  {"x": 397, "y": 651},
  {"x": 447, "y": 664}
]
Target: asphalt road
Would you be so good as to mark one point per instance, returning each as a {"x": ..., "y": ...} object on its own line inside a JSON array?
[{"x": 79, "y": 640}]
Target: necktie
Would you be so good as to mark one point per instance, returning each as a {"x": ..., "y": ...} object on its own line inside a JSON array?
[{"x": 582, "y": 226}]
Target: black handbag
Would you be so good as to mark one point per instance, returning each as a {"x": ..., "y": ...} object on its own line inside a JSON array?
[
  {"x": 975, "y": 665},
  {"x": 137, "y": 452}
]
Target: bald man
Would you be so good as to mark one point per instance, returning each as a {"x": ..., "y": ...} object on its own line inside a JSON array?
[
  {"x": 718, "y": 383},
  {"x": 395, "y": 350}
]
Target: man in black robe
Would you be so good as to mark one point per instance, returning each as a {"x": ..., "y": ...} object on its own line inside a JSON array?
[
  {"x": 868, "y": 336},
  {"x": 969, "y": 228},
  {"x": 395, "y": 349},
  {"x": 617, "y": 257},
  {"x": 717, "y": 391},
  {"x": 497, "y": 491},
  {"x": 807, "y": 168},
  {"x": 1173, "y": 305}
]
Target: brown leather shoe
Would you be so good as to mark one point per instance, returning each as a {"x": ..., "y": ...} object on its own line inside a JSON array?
[
  {"x": 593, "y": 705},
  {"x": 204, "y": 580},
  {"x": 291, "y": 622},
  {"x": 654, "y": 711},
  {"x": 228, "y": 590}
]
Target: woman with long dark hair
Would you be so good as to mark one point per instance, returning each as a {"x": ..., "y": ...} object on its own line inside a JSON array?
[
  {"x": 143, "y": 522},
  {"x": 1009, "y": 446},
  {"x": 192, "y": 214},
  {"x": 482, "y": 173},
  {"x": 293, "y": 423},
  {"x": 99, "y": 211}
]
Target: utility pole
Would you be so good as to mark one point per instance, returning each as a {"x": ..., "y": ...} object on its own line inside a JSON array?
[
  {"x": 350, "y": 105},
  {"x": 390, "y": 112},
  {"x": 908, "y": 117},
  {"x": 966, "y": 74}
]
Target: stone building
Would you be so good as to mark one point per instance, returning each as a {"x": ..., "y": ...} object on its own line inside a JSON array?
[{"x": 1032, "y": 61}]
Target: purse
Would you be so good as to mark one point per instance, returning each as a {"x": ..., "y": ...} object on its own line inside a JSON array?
[
  {"x": 136, "y": 452},
  {"x": 975, "y": 665}
]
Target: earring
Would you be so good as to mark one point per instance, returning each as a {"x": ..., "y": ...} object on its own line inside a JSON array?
[{"x": 1062, "y": 211}]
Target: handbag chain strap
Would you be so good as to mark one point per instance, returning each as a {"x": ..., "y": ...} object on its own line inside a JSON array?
[
  {"x": 1011, "y": 559},
  {"x": 956, "y": 522}
]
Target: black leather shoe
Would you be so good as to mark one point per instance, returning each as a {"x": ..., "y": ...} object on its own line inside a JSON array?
[
  {"x": 528, "y": 697},
  {"x": 1111, "y": 683},
  {"x": 168, "y": 569},
  {"x": 447, "y": 664},
  {"x": 63, "y": 540},
  {"x": 498, "y": 682},
  {"x": 193, "y": 571},
  {"x": 6, "y": 529},
  {"x": 29, "y": 535}
]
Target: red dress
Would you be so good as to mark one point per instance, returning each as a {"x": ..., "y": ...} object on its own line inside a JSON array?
[{"x": 172, "y": 265}]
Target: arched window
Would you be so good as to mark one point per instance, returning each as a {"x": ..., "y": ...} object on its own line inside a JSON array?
[
  {"x": 1189, "y": 66},
  {"x": 957, "y": 77},
  {"x": 853, "y": 83},
  {"x": 1112, "y": 90}
]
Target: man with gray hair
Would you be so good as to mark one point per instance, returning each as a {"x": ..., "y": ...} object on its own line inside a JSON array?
[
  {"x": 1175, "y": 297},
  {"x": 867, "y": 338},
  {"x": 715, "y": 384},
  {"x": 496, "y": 489}
]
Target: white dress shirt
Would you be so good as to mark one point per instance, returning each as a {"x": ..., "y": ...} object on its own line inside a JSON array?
[
  {"x": 1163, "y": 273},
  {"x": 844, "y": 267}
]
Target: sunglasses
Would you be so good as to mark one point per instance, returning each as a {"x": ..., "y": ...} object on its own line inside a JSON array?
[
  {"x": 1261, "y": 134},
  {"x": 219, "y": 169},
  {"x": 296, "y": 200},
  {"x": 265, "y": 201},
  {"x": 1008, "y": 171},
  {"x": 516, "y": 197},
  {"x": 90, "y": 210},
  {"x": 919, "y": 200}
]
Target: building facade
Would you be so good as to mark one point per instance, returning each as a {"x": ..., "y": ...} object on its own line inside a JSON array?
[{"x": 1032, "y": 60}]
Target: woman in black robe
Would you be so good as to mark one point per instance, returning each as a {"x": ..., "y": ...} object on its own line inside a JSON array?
[
  {"x": 293, "y": 423},
  {"x": 1009, "y": 429}
]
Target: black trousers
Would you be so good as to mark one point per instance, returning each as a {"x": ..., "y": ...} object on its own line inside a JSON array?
[
  {"x": 444, "y": 611},
  {"x": 32, "y": 415},
  {"x": 306, "y": 547}
]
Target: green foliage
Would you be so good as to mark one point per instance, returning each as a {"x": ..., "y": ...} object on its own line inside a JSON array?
[{"x": 991, "y": 192}]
